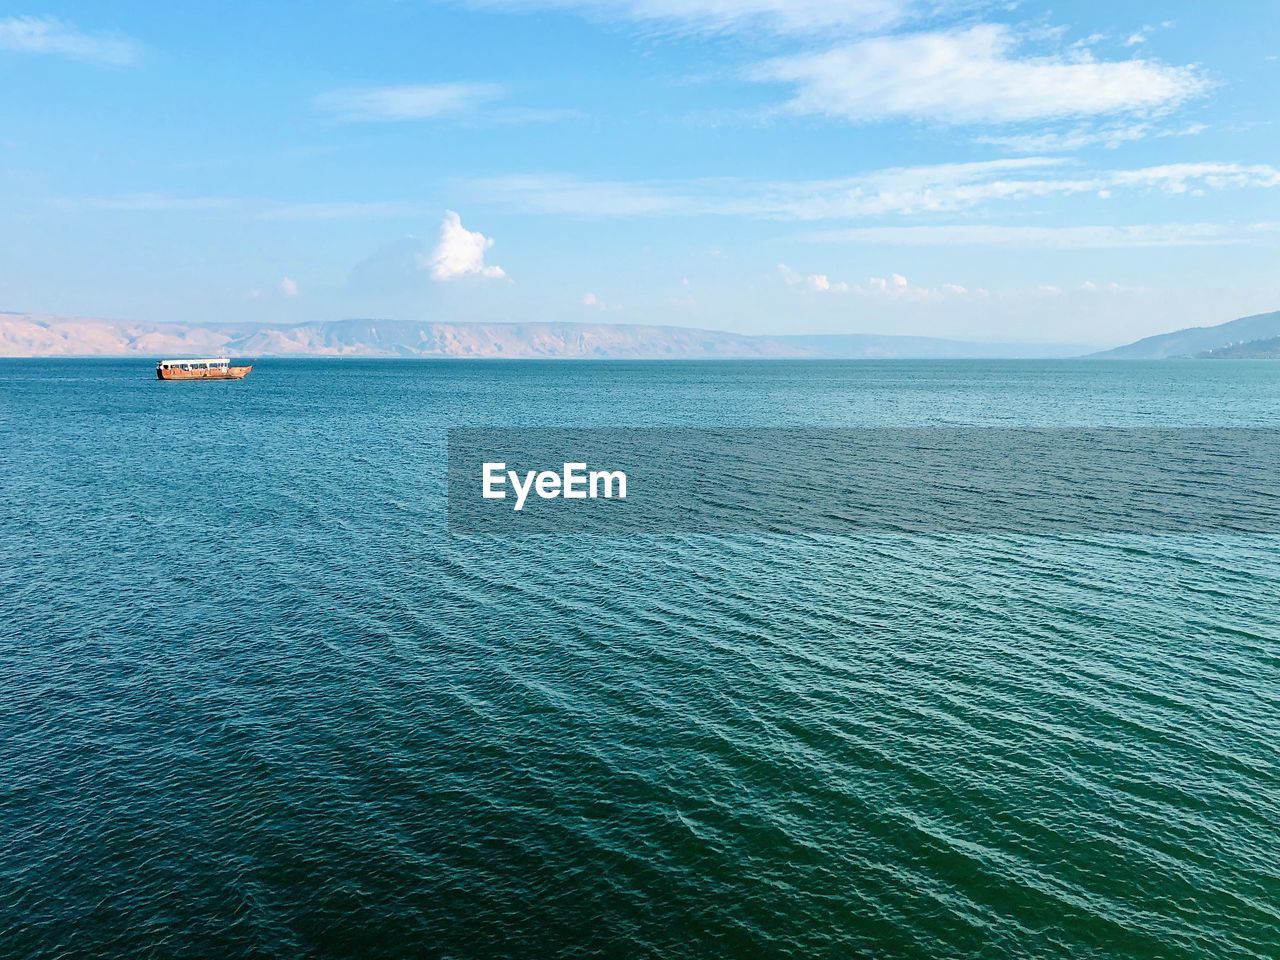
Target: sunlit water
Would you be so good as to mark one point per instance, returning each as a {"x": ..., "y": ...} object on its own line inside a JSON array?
[{"x": 255, "y": 701}]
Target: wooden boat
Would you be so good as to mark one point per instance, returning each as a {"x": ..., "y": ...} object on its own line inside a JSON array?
[{"x": 217, "y": 368}]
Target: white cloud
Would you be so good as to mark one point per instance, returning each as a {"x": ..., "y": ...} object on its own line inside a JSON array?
[
  {"x": 49, "y": 35},
  {"x": 723, "y": 16},
  {"x": 972, "y": 76},
  {"x": 893, "y": 287},
  {"x": 816, "y": 282},
  {"x": 460, "y": 253},
  {"x": 898, "y": 287},
  {"x": 289, "y": 287},
  {"x": 1090, "y": 286},
  {"x": 418, "y": 102}
]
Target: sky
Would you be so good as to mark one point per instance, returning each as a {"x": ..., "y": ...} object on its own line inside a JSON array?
[{"x": 1074, "y": 172}]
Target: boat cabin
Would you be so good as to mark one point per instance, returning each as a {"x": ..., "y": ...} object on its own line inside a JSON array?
[{"x": 217, "y": 363}]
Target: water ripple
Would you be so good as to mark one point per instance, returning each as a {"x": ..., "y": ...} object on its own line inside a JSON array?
[{"x": 257, "y": 703}]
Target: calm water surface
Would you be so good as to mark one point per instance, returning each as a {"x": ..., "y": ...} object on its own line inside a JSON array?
[{"x": 255, "y": 701}]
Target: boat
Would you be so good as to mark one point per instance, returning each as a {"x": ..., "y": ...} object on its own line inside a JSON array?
[{"x": 215, "y": 368}]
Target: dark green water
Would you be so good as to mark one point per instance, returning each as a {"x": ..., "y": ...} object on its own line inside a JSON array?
[{"x": 255, "y": 701}]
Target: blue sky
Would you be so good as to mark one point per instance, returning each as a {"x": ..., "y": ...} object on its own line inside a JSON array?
[{"x": 1080, "y": 172}]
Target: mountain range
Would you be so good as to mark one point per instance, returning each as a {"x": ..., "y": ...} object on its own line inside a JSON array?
[
  {"x": 1201, "y": 341},
  {"x": 35, "y": 335},
  {"x": 31, "y": 335}
]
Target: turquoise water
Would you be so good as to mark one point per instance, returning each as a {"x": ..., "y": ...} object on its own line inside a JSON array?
[{"x": 255, "y": 701}]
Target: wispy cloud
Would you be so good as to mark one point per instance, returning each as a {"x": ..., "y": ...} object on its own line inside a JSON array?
[
  {"x": 338, "y": 210},
  {"x": 725, "y": 16},
  {"x": 147, "y": 203},
  {"x": 414, "y": 102},
  {"x": 894, "y": 192},
  {"x": 903, "y": 191},
  {"x": 593, "y": 302},
  {"x": 460, "y": 253},
  {"x": 49, "y": 35},
  {"x": 1109, "y": 136},
  {"x": 1198, "y": 178},
  {"x": 253, "y": 207},
  {"x": 1025, "y": 237},
  {"x": 587, "y": 198},
  {"x": 972, "y": 75}
]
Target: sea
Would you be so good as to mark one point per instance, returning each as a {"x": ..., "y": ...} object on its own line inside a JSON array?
[{"x": 258, "y": 700}]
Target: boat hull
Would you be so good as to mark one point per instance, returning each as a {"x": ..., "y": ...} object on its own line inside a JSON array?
[{"x": 231, "y": 373}]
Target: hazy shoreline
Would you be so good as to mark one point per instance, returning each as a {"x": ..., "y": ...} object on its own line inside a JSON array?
[{"x": 41, "y": 335}]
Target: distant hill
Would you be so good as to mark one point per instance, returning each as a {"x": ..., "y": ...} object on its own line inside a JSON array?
[
  {"x": 871, "y": 345},
  {"x": 1195, "y": 341},
  {"x": 29, "y": 335},
  {"x": 1268, "y": 349}
]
